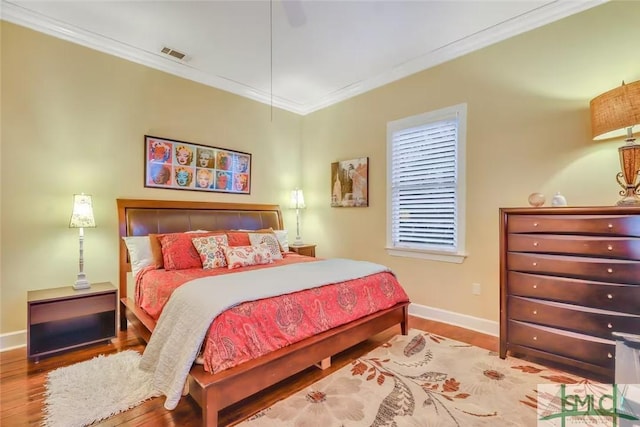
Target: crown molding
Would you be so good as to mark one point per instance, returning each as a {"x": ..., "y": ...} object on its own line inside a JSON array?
[
  {"x": 12, "y": 12},
  {"x": 543, "y": 15}
]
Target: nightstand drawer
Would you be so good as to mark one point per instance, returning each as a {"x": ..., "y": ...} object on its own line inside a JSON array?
[{"x": 68, "y": 309}]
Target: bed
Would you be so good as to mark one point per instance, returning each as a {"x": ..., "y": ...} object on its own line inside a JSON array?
[{"x": 214, "y": 392}]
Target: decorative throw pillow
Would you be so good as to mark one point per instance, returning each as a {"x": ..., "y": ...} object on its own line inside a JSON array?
[
  {"x": 156, "y": 246},
  {"x": 140, "y": 254},
  {"x": 238, "y": 238},
  {"x": 241, "y": 256},
  {"x": 211, "y": 250},
  {"x": 281, "y": 235},
  {"x": 268, "y": 239},
  {"x": 178, "y": 252}
]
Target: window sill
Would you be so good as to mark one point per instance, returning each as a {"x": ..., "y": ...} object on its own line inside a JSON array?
[{"x": 433, "y": 256}]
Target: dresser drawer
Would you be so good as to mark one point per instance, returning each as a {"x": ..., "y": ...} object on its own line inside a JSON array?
[
  {"x": 575, "y": 346},
  {"x": 607, "y": 296},
  {"x": 592, "y": 321},
  {"x": 601, "y": 269},
  {"x": 613, "y": 225},
  {"x": 610, "y": 247}
]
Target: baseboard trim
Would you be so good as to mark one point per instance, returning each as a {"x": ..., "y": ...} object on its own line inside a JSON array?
[
  {"x": 13, "y": 340},
  {"x": 477, "y": 324}
]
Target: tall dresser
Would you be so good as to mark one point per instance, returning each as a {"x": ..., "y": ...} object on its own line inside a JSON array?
[{"x": 569, "y": 277}]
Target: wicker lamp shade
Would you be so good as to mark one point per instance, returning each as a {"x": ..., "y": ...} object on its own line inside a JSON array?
[
  {"x": 615, "y": 111},
  {"x": 613, "y": 114}
]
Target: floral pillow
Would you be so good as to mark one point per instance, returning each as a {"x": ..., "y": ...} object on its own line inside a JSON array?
[
  {"x": 211, "y": 250},
  {"x": 268, "y": 239},
  {"x": 241, "y": 256},
  {"x": 281, "y": 235},
  {"x": 178, "y": 251}
]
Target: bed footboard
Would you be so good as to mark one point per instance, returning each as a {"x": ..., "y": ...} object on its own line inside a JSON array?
[{"x": 215, "y": 392}]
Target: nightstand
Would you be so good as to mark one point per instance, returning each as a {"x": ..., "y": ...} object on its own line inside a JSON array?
[
  {"x": 308, "y": 250},
  {"x": 60, "y": 319}
]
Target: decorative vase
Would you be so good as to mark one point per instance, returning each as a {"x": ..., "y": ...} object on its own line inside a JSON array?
[
  {"x": 536, "y": 199},
  {"x": 558, "y": 200}
]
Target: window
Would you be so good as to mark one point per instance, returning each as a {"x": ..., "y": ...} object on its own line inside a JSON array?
[{"x": 426, "y": 191}]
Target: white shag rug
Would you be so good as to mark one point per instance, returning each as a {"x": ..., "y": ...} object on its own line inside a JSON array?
[{"x": 86, "y": 392}]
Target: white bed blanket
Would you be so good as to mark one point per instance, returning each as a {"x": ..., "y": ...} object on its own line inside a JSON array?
[{"x": 186, "y": 317}]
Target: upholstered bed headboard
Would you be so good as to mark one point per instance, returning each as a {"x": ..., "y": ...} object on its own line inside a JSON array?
[{"x": 143, "y": 217}]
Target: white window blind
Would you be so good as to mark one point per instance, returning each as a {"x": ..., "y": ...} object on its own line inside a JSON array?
[{"x": 424, "y": 181}]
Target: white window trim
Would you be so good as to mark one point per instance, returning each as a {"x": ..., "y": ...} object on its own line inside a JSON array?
[{"x": 460, "y": 254}]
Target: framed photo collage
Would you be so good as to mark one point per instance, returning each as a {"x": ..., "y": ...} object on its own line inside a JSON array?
[{"x": 183, "y": 165}]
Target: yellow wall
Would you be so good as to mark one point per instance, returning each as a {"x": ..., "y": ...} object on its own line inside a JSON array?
[
  {"x": 528, "y": 130},
  {"x": 73, "y": 120}
]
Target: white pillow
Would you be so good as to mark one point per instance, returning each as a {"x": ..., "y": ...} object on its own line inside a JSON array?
[
  {"x": 282, "y": 238},
  {"x": 267, "y": 239},
  {"x": 140, "y": 253}
]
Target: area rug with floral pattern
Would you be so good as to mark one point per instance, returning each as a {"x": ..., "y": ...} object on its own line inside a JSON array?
[{"x": 419, "y": 380}]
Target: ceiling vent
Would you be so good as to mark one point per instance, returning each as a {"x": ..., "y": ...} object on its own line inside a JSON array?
[{"x": 174, "y": 53}]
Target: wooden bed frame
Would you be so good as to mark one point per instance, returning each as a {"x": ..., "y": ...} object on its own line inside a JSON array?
[{"x": 214, "y": 392}]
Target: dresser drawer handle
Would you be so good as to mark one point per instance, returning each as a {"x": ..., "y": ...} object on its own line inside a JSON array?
[
  {"x": 609, "y": 270},
  {"x": 609, "y": 325},
  {"x": 535, "y": 286},
  {"x": 610, "y": 225},
  {"x": 535, "y": 311},
  {"x": 535, "y": 338},
  {"x": 535, "y": 243},
  {"x": 610, "y": 356},
  {"x": 535, "y": 224},
  {"x": 535, "y": 263},
  {"x": 610, "y": 296},
  {"x": 609, "y": 248}
]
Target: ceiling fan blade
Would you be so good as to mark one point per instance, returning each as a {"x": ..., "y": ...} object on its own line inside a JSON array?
[{"x": 295, "y": 13}]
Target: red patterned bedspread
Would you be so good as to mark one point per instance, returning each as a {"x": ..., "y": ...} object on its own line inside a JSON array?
[{"x": 254, "y": 328}]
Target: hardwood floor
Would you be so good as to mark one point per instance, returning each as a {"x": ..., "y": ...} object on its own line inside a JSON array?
[{"x": 22, "y": 382}]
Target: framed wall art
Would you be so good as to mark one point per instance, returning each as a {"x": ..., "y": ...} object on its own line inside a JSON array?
[
  {"x": 183, "y": 165},
  {"x": 350, "y": 183}
]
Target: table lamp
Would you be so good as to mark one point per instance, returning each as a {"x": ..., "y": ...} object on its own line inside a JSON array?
[
  {"x": 81, "y": 217},
  {"x": 297, "y": 203},
  {"x": 613, "y": 114}
]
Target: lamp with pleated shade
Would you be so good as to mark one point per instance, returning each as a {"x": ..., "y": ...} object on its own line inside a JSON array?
[
  {"x": 81, "y": 217},
  {"x": 297, "y": 203}
]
